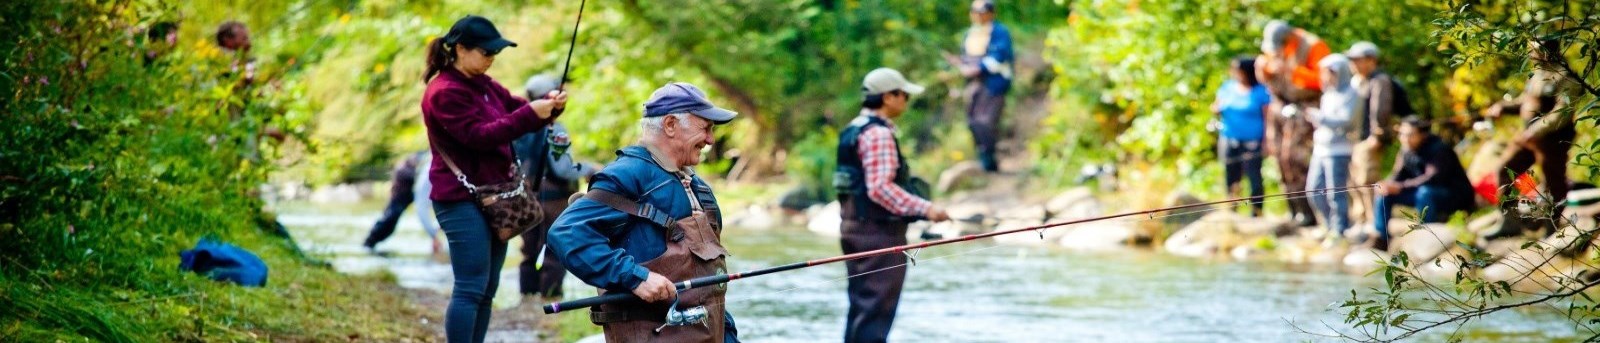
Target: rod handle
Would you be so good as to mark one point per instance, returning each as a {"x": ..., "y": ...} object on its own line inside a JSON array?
[{"x": 588, "y": 302}]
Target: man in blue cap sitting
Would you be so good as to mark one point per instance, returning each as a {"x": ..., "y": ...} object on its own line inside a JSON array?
[{"x": 648, "y": 221}]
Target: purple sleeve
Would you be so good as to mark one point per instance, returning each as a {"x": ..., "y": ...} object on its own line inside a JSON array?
[{"x": 454, "y": 110}]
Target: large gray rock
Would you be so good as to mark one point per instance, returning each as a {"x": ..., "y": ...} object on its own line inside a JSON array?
[
  {"x": 801, "y": 197},
  {"x": 1540, "y": 261},
  {"x": 1446, "y": 265},
  {"x": 1334, "y": 255},
  {"x": 971, "y": 210},
  {"x": 1262, "y": 226},
  {"x": 961, "y": 175},
  {"x": 1365, "y": 260},
  {"x": 1203, "y": 237},
  {"x": 1293, "y": 250},
  {"x": 1097, "y": 236},
  {"x": 1249, "y": 252},
  {"x": 826, "y": 221},
  {"x": 1485, "y": 224},
  {"x": 1183, "y": 216},
  {"x": 1424, "y": 243},
  {"x": 1538, "y": 274},
  {"x": 1064, "y": 204},
  {"x": 754, "y": 217},
  {"x": 1023, "y": 214},
  {"x": 1519, "y": 260},
  {"x": 1037, "y": 237}
]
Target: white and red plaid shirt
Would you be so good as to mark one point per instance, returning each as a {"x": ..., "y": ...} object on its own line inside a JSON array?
[{"x": 880, "y": 158}]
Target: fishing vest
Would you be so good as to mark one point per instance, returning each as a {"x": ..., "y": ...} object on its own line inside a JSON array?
[
  {"x": 850, "y": 177},
  {"x": 694, "y": 249}
]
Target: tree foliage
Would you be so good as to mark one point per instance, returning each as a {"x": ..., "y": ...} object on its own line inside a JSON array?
[
  {"x": 1554, "y": 270},
  {"x": 116, "y": 159},
  {"x": 1147, "y": 71}
]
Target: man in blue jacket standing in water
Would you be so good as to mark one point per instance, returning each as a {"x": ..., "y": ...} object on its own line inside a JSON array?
[
  {"x": 647, "y": 221},
  {"x": 985, "y": 60}
]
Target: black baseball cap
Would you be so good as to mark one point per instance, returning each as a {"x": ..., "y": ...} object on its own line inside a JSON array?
[{"x": 475, "y": 31}]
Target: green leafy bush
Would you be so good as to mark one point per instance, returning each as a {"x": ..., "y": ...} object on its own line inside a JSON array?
[{"x": 114, "y": 162}]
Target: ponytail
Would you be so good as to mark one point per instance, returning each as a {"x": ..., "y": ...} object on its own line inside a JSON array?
[{"x": 439, "y": 58}]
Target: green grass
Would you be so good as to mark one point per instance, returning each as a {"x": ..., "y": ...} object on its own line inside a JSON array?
[
  {"x": 575, "y": 325},
  {"x": 299, "y": 303}
]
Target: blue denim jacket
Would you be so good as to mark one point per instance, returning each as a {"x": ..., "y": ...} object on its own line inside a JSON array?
[
  {"x": 1000, "y": 50},
  {"x": 605, "y": 247}
]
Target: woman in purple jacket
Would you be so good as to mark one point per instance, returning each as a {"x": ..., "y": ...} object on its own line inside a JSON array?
[{"x": 471, "y": 121}]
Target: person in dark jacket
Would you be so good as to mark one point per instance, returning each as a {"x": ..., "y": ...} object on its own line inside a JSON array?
[
  {"x": 986, "y": 61},
  {"x": 647, "y": 221},
  {"x": 471, "y": 121},
  {"x": 1427, "y": 176},
  {"x": 402, "y": 192},
  {"x": 545, "y": 156},
  {"x": 878, "y": 199}
]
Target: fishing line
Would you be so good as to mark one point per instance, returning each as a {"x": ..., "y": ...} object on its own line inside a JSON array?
[
  {"x": 725, "y": 278},
  {"x": 833, "y": 281}
]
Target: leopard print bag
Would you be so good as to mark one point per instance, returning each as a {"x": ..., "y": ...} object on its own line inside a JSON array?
[{"x": 509, "y": 208}]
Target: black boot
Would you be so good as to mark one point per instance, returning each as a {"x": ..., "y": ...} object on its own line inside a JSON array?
[
  {"x": 990, "y": 164},
  {"x": 1381, "y": 243}
]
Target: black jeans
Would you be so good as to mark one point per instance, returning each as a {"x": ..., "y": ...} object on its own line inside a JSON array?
[
  {"x": 1242, "y": 160},
  {"x": 399, "y": 200},
  {"x": 983, "y": 118}
]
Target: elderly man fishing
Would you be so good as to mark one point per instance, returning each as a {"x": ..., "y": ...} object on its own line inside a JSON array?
[{"x": 648, "y": 220}]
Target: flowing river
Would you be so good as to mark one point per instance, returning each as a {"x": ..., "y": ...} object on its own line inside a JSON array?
[{"x": 973, "y": 292}]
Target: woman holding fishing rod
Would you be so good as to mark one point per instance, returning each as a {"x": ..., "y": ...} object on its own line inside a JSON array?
[{"x": 471, "y": 121}]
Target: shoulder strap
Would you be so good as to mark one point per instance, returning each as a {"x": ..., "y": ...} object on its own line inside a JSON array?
[
  {"x": 631, "y": 207},
  {"x": 515, "y": 169},
  {"x": 453, "y": 169}
]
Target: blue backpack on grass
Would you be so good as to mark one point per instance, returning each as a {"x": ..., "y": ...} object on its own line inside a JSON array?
[{"x": 225, "y": 262}]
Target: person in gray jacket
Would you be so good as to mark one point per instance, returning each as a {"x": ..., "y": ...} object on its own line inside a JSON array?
[
  {"x": 1330, "y": 150},
  {"x": 544, "y": 155}
]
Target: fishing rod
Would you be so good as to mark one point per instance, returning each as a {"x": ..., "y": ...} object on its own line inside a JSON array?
[
  {"x": 571, "y": 45},
  {"x": 725, "y": 278},
  {"x": 538, "y": 262}
]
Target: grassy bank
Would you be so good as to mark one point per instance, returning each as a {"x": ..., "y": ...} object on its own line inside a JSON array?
[
  {"x": 123, "y": 150},
  {"x": 300, "y": 305}
]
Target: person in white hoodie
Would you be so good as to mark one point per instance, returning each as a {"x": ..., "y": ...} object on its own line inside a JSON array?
[{"x": 1330, "y": 151}]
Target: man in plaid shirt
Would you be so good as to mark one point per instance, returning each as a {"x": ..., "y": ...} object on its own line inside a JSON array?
[{"x": 878, "y": 198}]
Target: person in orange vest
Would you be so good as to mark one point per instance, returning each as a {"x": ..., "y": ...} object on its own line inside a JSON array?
[{"x": 1288, "y": 67}]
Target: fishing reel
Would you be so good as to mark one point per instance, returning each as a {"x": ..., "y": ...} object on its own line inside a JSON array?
[{"x": 690, "y": 316}]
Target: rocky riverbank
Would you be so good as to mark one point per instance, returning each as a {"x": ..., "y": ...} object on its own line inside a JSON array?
[{"x": 1533, "y": 263}]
